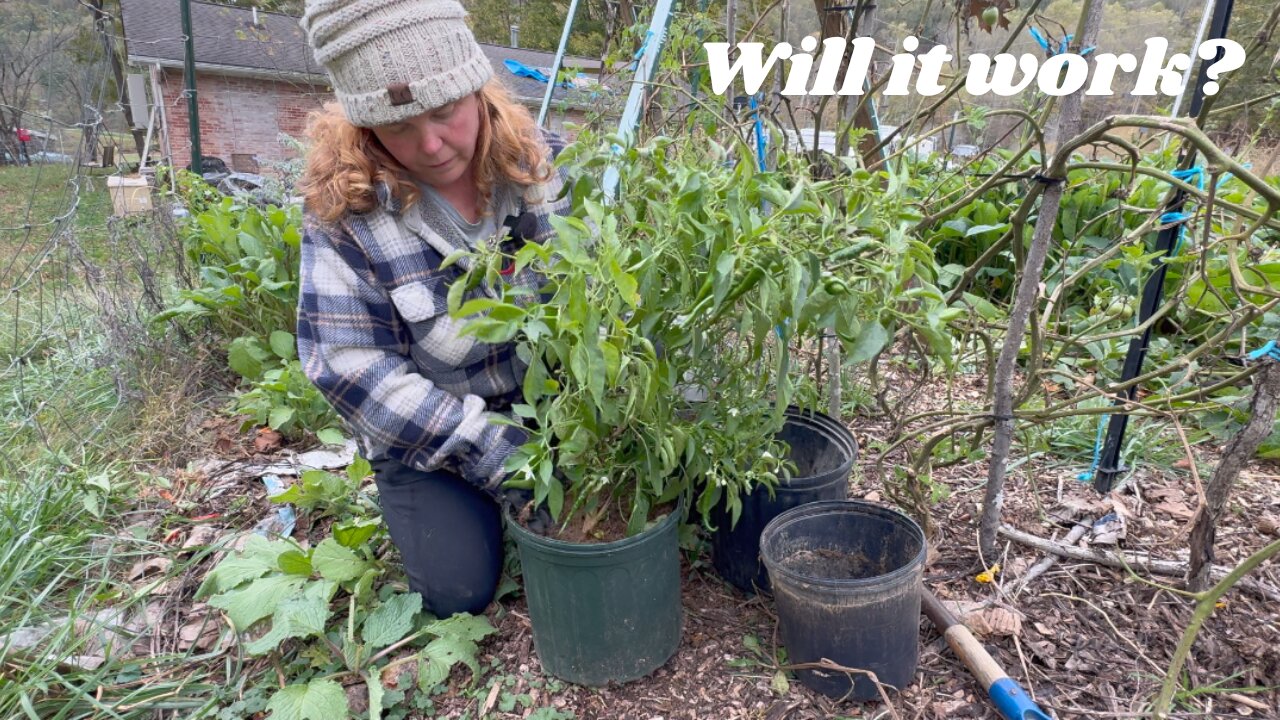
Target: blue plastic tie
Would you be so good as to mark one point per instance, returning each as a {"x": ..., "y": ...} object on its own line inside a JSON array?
[
  {"x": 1177, "y": 217},
  {"x": 1087, "y": 475},
  {"x": 1270, "y": 350},
  {"x": 644, "y": 45},
  {"x": 1196, "y": 172},
  {"x": 1040, "y": 39},
  {"x": 760, "y": 141}
]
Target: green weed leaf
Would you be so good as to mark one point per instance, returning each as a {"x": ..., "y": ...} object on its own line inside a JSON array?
[
  {"x": 335, "y": 562},
  {"x": 303, "y": 615},
  {"x": 392, "y": 620},
  {"x": 257, "y": 600},
  {"x": 317, "y": 700}
]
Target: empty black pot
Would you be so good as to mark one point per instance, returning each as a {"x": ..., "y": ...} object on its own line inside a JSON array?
[
  {"x": 846, "y": 580},
  {"x": 824, "y": 452}
]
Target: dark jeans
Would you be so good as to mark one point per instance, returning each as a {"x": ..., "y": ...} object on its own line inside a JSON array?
[{"x": 449, "y": 534}]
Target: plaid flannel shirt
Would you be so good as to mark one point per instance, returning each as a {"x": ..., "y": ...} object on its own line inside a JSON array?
[{"x": 375, "y": 335}]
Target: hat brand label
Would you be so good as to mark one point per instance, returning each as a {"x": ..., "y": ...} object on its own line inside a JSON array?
[{"x": 400, "y": 94}]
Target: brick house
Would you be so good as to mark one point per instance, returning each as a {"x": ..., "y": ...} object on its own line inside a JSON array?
[{"x": 256, "y": 78}]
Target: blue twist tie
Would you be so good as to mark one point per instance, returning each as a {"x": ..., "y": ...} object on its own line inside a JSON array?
[
  {"x": 760, "y": 140},
  {"x": 1270, "y": 350},
  {"x": 1177, "y": 217},
  {"x": 1196, "y": 172},
  {"x": 644, "y": 45},
  {"x": 1087, "y": 475},
  {"x": 1040, "y": 39}
]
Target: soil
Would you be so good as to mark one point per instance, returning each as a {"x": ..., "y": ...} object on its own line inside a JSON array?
[
  {"x": 611, "y": 527},
  {"x": 830, "y": 564},
  {"x": 1089, "y": 641}
]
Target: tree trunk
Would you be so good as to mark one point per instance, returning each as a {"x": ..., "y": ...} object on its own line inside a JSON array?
[
  {"x": 1238, "y": 453},
  {"x": 105, "y": 28},
  {"x": 1025, "y": 299}
]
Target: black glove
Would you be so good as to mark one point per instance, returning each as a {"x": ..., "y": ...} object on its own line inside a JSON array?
[{"x": 519, "y": 503}]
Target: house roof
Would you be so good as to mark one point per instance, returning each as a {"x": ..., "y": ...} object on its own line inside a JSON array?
[{"x": 228, "y": 41}]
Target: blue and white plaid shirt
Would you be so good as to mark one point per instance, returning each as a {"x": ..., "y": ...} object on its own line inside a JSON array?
[{"x": 376, "y": 338}]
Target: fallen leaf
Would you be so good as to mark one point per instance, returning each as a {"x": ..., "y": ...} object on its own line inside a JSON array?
[
  {"x": 267, "y": 440},
  {"x": 201, "y": 535},
  {"x": 1269, "y": 525},
  {"x": 152, "y": 566},
  {"x": 988, "y": 575},
  {"x": 944, "y": 709},
  {"x": 1183, "y": 463},
  {"x": 199, "y": 634},
  {"x": 995, "y": 622},
  {"x": 1176, "y": 508}
]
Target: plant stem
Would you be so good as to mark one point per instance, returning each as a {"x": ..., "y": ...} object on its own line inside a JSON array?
[
  {"x": 1027, "y": 297},
  {"x": 1241, "y": 449},
  {"x": 1204, "y": 607}
]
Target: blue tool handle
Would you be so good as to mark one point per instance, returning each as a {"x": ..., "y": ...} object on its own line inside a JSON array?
[{"x": 1013, "y": 703}]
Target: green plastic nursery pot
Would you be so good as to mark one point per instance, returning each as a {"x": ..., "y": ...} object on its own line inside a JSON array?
[{"x": 607, "y": 612}]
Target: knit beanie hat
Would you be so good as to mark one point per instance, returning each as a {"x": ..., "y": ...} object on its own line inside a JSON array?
[{"x": 389, "y": 60}]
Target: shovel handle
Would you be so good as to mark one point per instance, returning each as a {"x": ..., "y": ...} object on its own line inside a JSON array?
[{"x": 1010, "y": 699}]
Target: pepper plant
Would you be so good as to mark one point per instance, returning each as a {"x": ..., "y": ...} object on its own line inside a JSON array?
[{"x": 695, "y": 282}]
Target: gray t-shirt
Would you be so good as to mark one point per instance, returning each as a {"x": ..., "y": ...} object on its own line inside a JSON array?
[{"x": 474, "y": 232}]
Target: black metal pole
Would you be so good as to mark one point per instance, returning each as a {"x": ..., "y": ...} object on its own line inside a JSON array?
[
  {"x": 189, "y": 78},
  {"x": 1109, "y": 467}
]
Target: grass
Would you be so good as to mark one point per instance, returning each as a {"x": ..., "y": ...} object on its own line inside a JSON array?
[
  {"x": 76, "y": 404},
  {"x": 33, "y": 202},
  {"x": 53, "y": 222}
]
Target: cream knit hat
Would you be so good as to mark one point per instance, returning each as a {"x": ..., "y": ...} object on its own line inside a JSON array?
[{"x": 389, "y": 60}]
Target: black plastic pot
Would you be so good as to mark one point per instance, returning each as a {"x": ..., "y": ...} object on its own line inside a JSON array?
[
  {"x": 824, "y": 452},
  {"x": 846, "y": 580},
  {"x": 607, "y": 612}
]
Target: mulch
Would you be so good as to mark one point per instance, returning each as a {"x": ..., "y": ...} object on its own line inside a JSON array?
[{"x": 1087, "y": 641}]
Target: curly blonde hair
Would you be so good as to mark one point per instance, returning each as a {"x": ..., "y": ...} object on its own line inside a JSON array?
[{"x": 346, "y": 163}]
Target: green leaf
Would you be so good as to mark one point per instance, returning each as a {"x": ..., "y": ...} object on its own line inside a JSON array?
[
  {"x": 303, "y": 615},
  {"x": 102, "y": 481},
  {"x": 295, "y": 562},
  {"x": 259, "y": 557},
  {"x": 246, "y": 357},
  {"x": 317, "y": 700},
  {"x": 281, "y": 417},
  {"x": 257, "y": 600},
  {"x": 472, "y": 627},
  {"x": 439, "y": 657},
  {"x": 980, "y": 229},
  {"x": 354, "y": 533},
  {"x": 284, "y": 345},
  {"x": 335, "y": 562},
  {"x": 331, "y": 436},
  {"x": 625, "y": 282},
  {"x": 870, "y": 341},
  {"x": 358, "y": 470},
  {"x": 391, "y": 620},
  {"x": 779, "y": 684}
]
